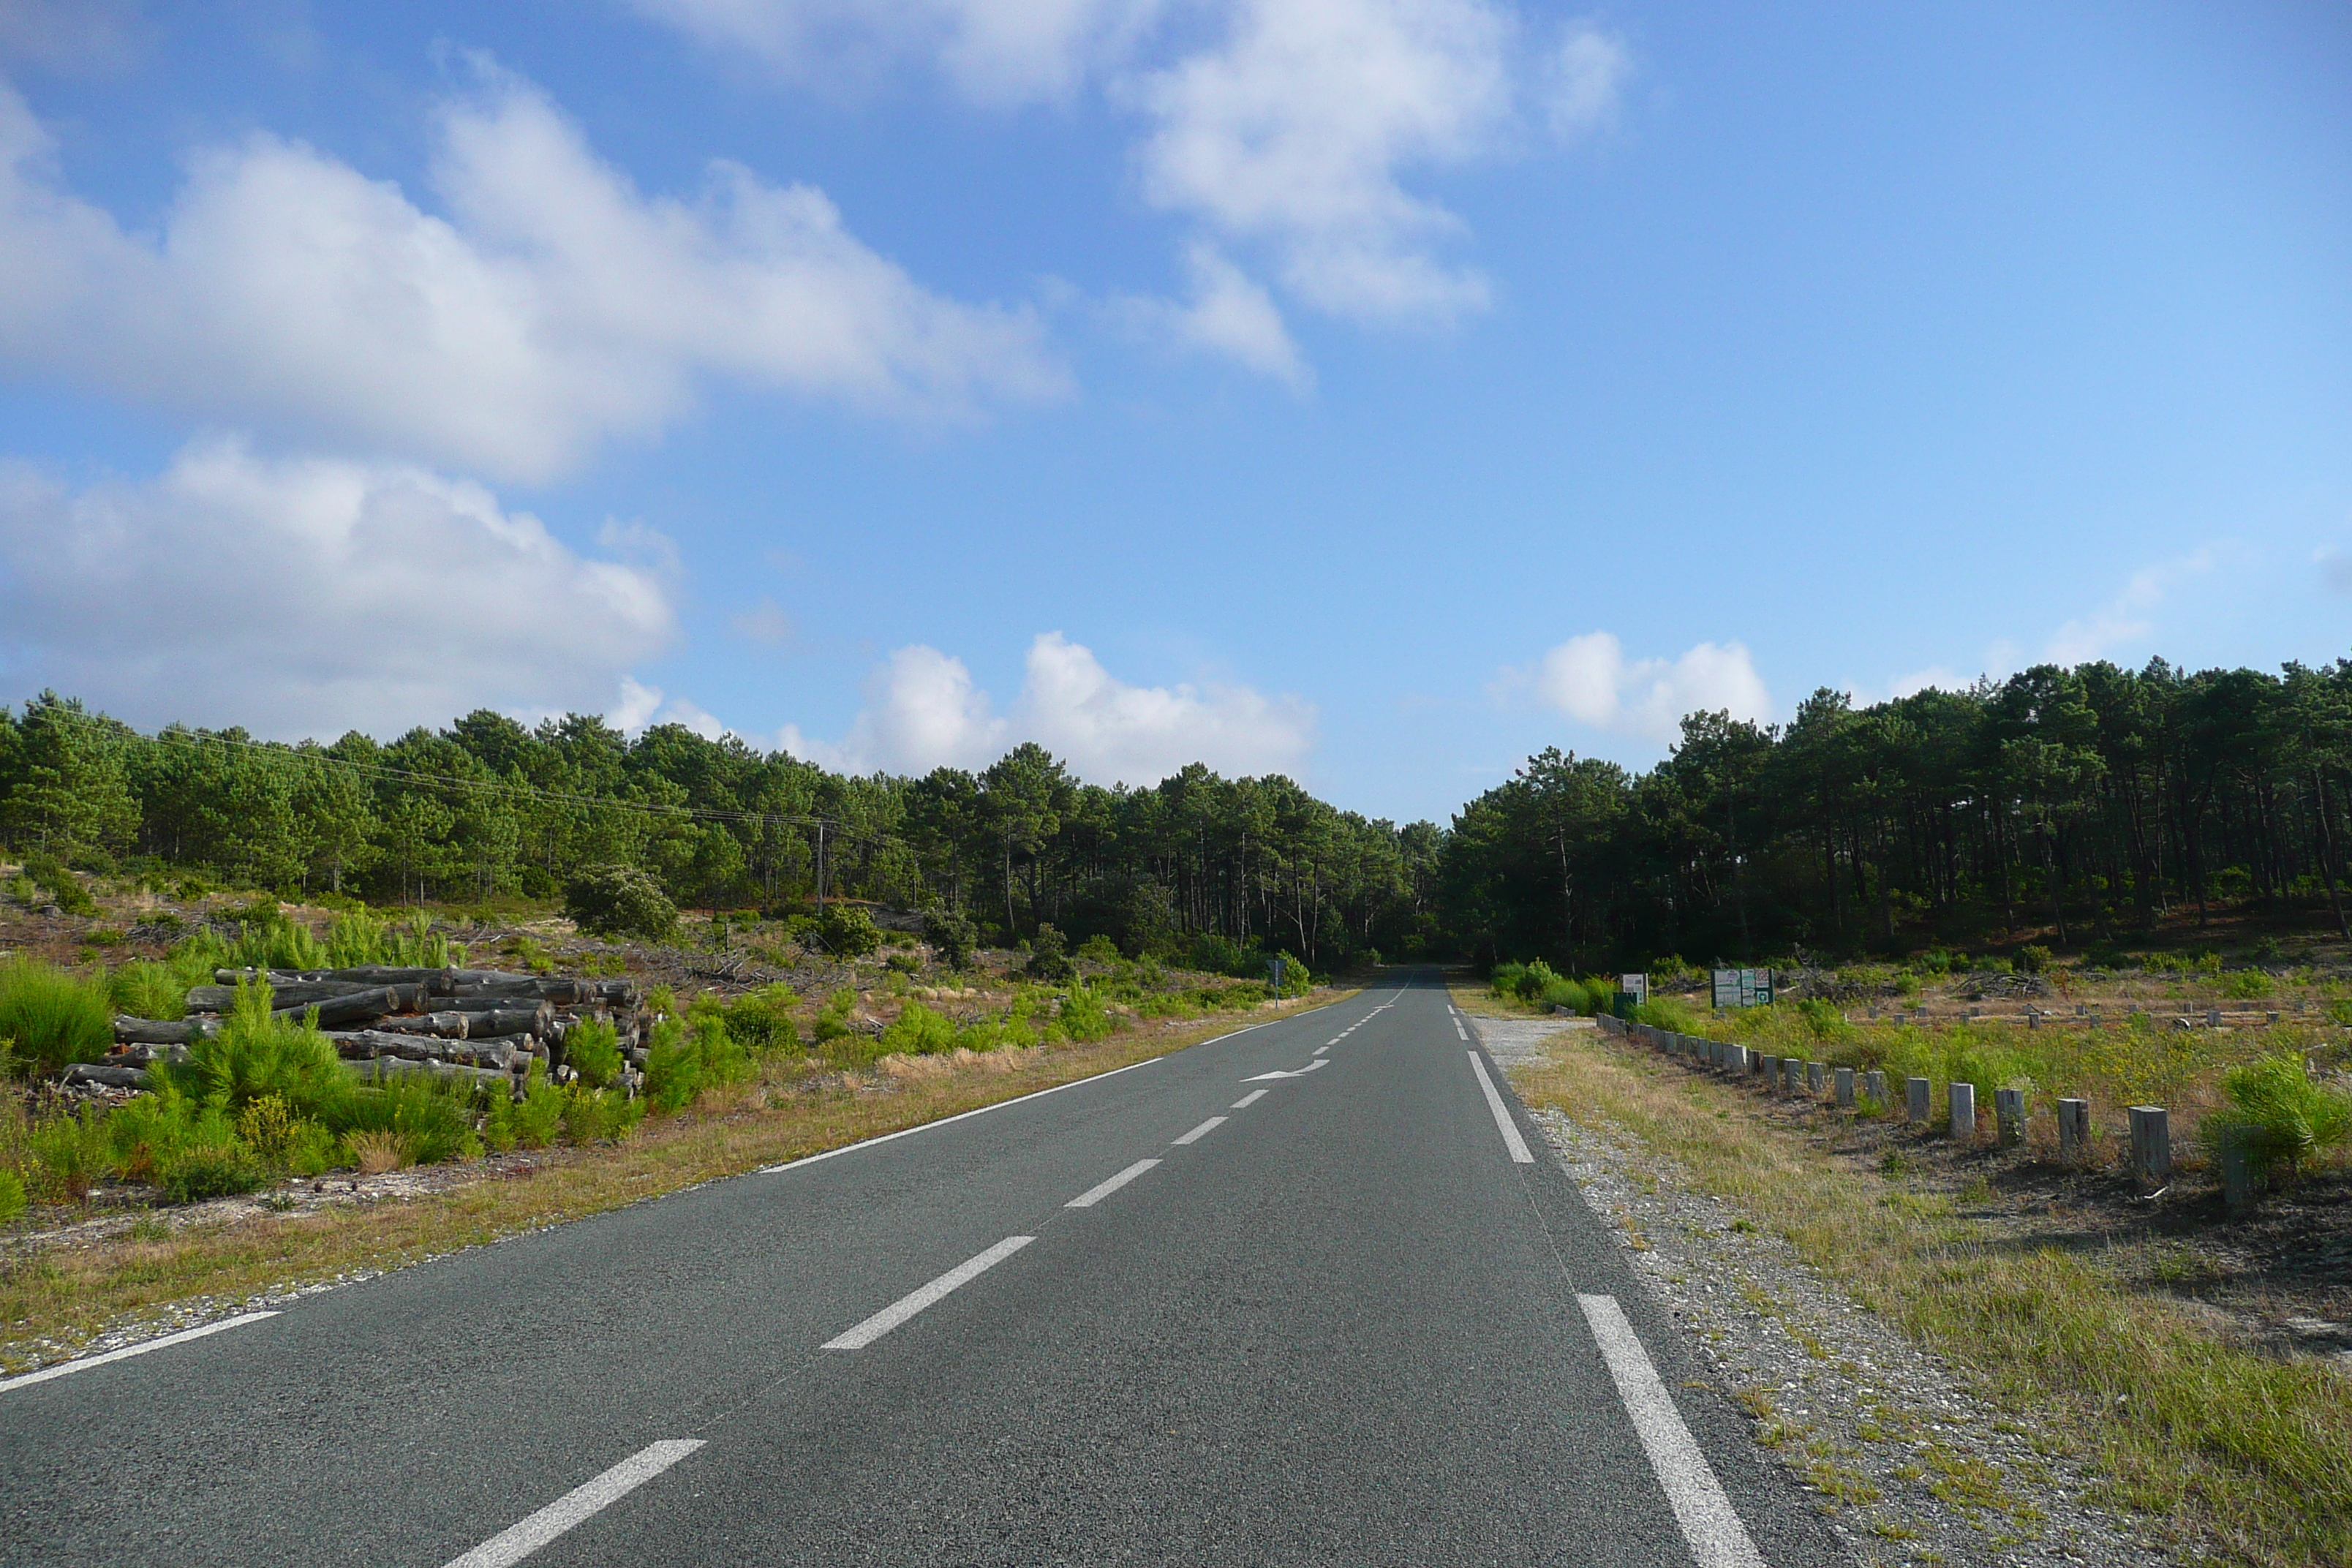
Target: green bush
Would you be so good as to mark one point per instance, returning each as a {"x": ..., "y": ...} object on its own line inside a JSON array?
[
  {"x": 682, "y": 1062},
  {"x": 592, "y": 1050},
  {"x": 593, "y": 1115},
  {"x": 620, "y": 901},
  {"x": 761, "y": 1020},
  {"x": 212, "y": 1170},
  {"x": 256, "y": 1055},
  {"x": 2247, "y": 986},
  {"x": 2277, "y": 1114},
  {"x": 848, "y": 931},
  {"x": 1049, "y": 956},
  {"x": 535, "y": 1119},
  {"x": 918, "y": 1031},
  {"x": 952, "y": 937},
  {"x": 833, "y": 1020},
  {"x": 2034, "y": 959},
  {"x": 433, "y": 1115},
  {"x": 1823, "y": 1021},
  {"x": 1084, "y": 1016},
  {"x": 51, "y": 1016},
  {"x": 12, "y": 1195},
  {"x": 147, "y": 990},
  {"x": 65, "y": 889},
  {"x": 70, "y": 1152},
  {"x": 267, "y": 938}
]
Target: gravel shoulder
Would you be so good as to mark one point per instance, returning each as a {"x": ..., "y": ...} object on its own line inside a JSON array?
[{"x": 1907, "y": 1461}]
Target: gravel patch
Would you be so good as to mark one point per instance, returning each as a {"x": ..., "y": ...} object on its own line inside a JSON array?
[{"x": 1907, "y": 1464}]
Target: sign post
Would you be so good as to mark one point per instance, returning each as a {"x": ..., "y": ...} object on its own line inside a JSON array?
[{"x": 1274, "y": 972}]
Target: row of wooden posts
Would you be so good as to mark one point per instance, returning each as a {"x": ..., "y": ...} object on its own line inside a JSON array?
[
  {"x": 2152, "y": 1131},
  {"x": 2083, "y": 1014}
]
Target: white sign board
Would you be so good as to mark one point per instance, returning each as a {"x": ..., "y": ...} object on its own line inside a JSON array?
[
  {"x": 1637, "y": 987},
  {"x": 1742, "y": 987}
]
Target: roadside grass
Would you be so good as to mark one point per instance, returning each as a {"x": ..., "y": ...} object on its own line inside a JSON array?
[
  {"x": 56, "y": 1296},
  {"x": 2246, "y": 1450}
]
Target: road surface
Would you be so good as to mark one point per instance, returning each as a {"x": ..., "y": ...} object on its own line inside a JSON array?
[{"x": 1312, "y": 1293}]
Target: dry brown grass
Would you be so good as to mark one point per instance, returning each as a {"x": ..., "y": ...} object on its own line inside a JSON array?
[
  {"x": 56, "y": 1296},
  {"x": 376, "y": 1152},
  {"x": 2215, "y": 1440}
]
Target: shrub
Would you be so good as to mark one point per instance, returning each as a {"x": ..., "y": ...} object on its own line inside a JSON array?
[
  {"x": 593, "y": 1115},
  {"x": 904, "y": 962},
  {"x": 832, "y": 1021},
  {"x": 2247, "y": 986},
  {"x": 535, "y": 1117},
  {"x": 761, "y": 1021},
  {"x": 210, "y": 1163},
  {"x": 848, "y": 931},
  {"x": 951, "y": 936},
  {"x": 1100, "y": 949},
  {"x": 1823, "y": 1021},
  {"x": 12, "y": 1195},
  {"x": 65, "y": 889},
  {"x": 1049, "y": 956},
  {"x": 149, "y": 990},
  {"x": 2276, "y": 1114},
  {"x": 620, "y": 901},
  {"x": 70, "y": 1152},
  {"x": 1085, "y": 1016},
  {"x": 51, "y": 1016},
  {"x": 592, "y": 1050},
  {"x": 256, "y": 1055},
  {"x": 434, "y": 1117},
  {"x": 378, "y": 1150},
  {"x": 267, "y": 938},
  {"x": 2034, "y": 959},
  {"x": 918, "y": 1031},
  {"x": 682, "y": 1062}
]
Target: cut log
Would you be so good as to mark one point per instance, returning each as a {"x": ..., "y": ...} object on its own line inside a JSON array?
[
  {"x": 514, "y": 1021},
  {"x": 384, "y": 1069},
  {"x": 131, "y": 1031},
  {"x": 443, "y": 1026},
  {"x": 111, "y": 1076},
  {"x": 144, "y": 1056},
  {"x": 294, "y": 993},
  {"x": 358, "y": 1006}
]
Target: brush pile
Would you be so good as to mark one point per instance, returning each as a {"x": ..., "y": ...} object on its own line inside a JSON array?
[{"x": 479, "y": 1023}]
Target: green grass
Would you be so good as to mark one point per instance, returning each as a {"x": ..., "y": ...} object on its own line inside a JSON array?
[
  {"x": 2179, "y": 1424},
  {"x": 50, "y": 1016}
]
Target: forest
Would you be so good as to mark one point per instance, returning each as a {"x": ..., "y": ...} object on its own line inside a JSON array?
[
  {"x": 2083, "y": 807},
  {"x": 488, "y": 809}
]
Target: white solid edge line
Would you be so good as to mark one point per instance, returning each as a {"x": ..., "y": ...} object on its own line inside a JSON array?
[
  {"x": 914, "y": 1301},
  {"x": 1203, "y": 1131},
  {"x": 26, "y": 1380},
  {"x": 1510, "y": 1129},
  {"x": 1102, "y": 1190},
  {"x": 1252, "y": 1098},
  {"x": 1709, "y": 1524},
  {"x": 577, "y": 1506},
  {"x": 979, "y": 1111}
]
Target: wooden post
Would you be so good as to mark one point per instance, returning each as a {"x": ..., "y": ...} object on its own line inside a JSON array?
[
  {"x": 2009, "y": 1116},
  {"x": 1816, "y": 1077},
  {"x": 2151, "y": 1146},
  {"x": 2237, "y": 1177},
  {"x": 1791, "y": 1073},
  {"x": 2073, "y": 1131},
  {"x": 1916, "y": 1092},
  {"x": 1845, "y": 1089},
  {"x": 2212, "y": 1017},
  {"x": 1963, "y": 1104},
  {"x": 1875, "y": 1086},
  {"x": 1772, "y": 1072}
]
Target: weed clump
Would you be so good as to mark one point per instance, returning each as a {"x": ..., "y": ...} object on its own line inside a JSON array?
[{"x": 50, "y": 1016}]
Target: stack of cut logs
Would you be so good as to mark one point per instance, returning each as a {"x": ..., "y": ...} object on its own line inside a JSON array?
[{"x": 482, "y": 1024}]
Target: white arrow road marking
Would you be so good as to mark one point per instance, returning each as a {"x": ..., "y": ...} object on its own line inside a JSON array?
[
  {"x": 1510, "y": 1129},
  {"x": 1717, "y": 1538},
  {"x": 576, "y": 1505},
  {"x": 1302, "y": 1072},
  {"x": 914, "y": 1301}
]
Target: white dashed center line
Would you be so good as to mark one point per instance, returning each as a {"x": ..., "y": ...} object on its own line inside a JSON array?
[
  {"x": 1102, "y": 1190},
  {"x": 576, "y": 1505},
  {"x": 1210, "y": 1125},
  {"x": 914, "y": 1301},
  {"x": 1252, "y": 1098}
]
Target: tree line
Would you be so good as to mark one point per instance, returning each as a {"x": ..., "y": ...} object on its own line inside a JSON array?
[
  {"x": 2092, "y": 803},
  {"x": 490, "y": 807}
]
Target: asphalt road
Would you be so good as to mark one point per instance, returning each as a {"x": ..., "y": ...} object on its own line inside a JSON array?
[{"x": 1345, "y": 1324}]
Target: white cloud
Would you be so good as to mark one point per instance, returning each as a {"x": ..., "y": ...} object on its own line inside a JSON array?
[
  {"x": 310, "y": 596},
  {"x": 1230, "y": 314},
  {"x": 1589, "y": 678},
  {"x": 994, "y": 51},
  {"x": 769, "y": 623},
  {"x": 1588, "y": 72},
  {"x": 2129, "y": 619},
  {"x": 552, "y": 306},
  {"x": 923, "y": 710},
  {"x": 1287, "y": 127}
]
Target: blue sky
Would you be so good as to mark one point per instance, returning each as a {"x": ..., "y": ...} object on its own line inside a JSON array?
[{"x": 1369, "y": 390}]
